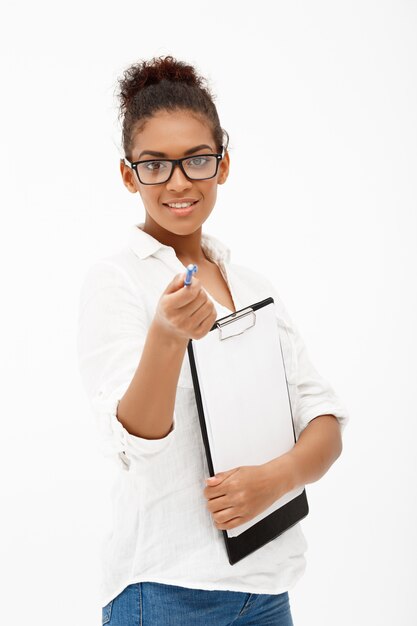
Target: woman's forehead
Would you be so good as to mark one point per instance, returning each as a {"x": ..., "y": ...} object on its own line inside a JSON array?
[{"x": 176, "y": 132}]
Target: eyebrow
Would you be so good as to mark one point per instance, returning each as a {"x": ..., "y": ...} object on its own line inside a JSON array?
[{"x": 162, "y": 154}]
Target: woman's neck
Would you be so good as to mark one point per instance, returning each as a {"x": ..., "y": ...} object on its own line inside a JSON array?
[{"x": 187, "y": 248}]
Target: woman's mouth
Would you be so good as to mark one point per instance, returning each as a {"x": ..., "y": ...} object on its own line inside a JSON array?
[{"x": 182, "y": 210}]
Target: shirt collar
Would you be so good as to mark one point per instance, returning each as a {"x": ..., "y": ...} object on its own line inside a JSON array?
[{"x": 144, "y": 245}]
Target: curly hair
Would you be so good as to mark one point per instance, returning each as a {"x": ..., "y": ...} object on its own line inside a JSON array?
[{"x": 164, "y": 83}]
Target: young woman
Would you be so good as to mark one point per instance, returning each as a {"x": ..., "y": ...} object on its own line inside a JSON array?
[{"x": 165, "y": 561}]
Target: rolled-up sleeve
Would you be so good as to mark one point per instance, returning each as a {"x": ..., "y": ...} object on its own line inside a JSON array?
[
  {"x": 112, "y": 329},
  {"x": 311, "y": 394},
  {"x": 314, "y": 394}
]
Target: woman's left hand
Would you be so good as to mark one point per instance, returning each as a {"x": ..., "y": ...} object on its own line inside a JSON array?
[{"x": 238, "y": 495}]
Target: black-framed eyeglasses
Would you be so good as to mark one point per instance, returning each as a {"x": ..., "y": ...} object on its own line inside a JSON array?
[
  {"x": 197, "y": 167},
  {"x": 157, "y": 171}
]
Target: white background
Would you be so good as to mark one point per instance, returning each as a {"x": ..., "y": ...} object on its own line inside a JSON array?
[{"x": 320, "y": 102}]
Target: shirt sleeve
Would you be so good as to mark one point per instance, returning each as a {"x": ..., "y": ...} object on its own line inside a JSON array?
[
  {"x": 311, "y": 394},
  {"x": 112, "y": 329}
]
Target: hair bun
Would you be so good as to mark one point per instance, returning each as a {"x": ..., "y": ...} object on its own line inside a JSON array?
[
  {"x": 140, "y": 75},
  {"x": 163, "y": 84}
]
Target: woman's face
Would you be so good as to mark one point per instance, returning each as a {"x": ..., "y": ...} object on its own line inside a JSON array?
[{"x": 173, "y": 134}]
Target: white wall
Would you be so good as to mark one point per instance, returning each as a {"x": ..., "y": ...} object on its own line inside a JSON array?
[{"x": 320, "y": 101}]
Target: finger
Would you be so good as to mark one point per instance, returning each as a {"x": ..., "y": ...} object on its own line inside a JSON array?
[
  {"x": 201, "y": 312},
  {"x": 183, "y": 295},
  {"x": 220, "y": 477},
  {"x": 200, "y": 300},
  {"x": 176, "y": 283},
  {"x": 215, "y": 505},
  {"x": 212, "y": 499},
  {"x": 231, "y": 523},
  {"x": 226, "y": 515}
]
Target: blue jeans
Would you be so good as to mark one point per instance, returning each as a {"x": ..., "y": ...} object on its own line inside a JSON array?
[{"x": 157, "y": 604}]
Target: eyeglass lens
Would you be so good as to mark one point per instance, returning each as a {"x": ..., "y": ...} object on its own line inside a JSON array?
[{"x": 159, "y": 171}]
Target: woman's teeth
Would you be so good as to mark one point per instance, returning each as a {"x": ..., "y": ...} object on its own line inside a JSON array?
[{"x": 182, "y": 205}]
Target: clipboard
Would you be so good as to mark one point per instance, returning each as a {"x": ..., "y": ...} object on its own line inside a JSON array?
[{"x": 245, "y": 413}]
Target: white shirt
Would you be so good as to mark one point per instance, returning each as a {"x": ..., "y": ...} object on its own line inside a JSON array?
[{"x": 162, "y": 530}]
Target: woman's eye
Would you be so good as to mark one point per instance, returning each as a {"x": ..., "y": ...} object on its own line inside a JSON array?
[
  {"x": 197, "y": 161},
  {"x": 155, "y": 165}
]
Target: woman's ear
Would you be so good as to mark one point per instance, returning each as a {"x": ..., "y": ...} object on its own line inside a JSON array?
[
  {"x": 224, "y": 169},
  {"x": 127, "y": 176}
]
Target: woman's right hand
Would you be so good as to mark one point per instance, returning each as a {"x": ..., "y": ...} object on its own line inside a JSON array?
[{"x": 185, "y": 312}]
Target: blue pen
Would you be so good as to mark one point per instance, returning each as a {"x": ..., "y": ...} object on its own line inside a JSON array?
[{"x": 191, "y": 269}]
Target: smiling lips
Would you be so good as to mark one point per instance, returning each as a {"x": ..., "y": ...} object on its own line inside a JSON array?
[
  {"x": 181, "y": 208},
  {"x": 181, "y": 203}
]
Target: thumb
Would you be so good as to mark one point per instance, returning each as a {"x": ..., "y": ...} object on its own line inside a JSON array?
[{"x": 176, "y": 283}]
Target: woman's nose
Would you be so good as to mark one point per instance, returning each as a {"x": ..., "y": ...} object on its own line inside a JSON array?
[{"x": 178, "y": 180}]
